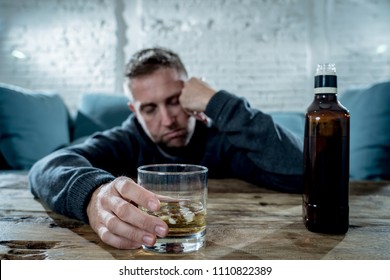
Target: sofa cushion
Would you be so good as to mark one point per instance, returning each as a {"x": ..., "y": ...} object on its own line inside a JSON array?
[
  {"x": 32, "y": 125},
  {"x": 293, "y": 121},
  {"x": 370, "y": 131},
  {"x": 99, "y": 112}
]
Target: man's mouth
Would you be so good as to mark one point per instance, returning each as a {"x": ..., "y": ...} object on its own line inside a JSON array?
[{"x": 177, "y": 133}]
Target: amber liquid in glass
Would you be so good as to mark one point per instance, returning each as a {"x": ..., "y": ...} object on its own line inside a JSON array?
[{"x": 183, "y": 218}]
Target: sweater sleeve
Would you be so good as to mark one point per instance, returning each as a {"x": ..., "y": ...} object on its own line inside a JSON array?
[
  {"x": 263, "y": 151},
  {"x": 65, "y": 181}
]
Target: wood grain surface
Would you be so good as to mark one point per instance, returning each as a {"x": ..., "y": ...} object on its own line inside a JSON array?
[{"x": 244, "y": 222}]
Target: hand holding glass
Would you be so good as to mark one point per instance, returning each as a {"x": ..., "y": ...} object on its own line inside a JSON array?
[{"x": 182, "y": 191}]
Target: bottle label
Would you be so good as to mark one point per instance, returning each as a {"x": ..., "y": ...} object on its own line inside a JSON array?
[
  {"x": 325, "y": 81},
  {"x": 324, "y": 90}
]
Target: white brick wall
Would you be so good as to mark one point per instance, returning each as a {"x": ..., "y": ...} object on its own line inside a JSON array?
[
  {"x": 249, "y": 47},
  {"x": 70, "y": 45},
  {"x": 263, "y": 50}
]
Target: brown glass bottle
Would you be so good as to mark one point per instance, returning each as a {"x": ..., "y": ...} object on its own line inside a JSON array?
[{"x": 326, "y": 158}]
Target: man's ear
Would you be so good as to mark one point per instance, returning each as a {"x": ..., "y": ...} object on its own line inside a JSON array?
[{"x": 131, "y": 107}]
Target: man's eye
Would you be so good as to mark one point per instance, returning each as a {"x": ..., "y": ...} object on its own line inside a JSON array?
[
  {"x": 174, "y": 101},
  {"x": 148, "y": 110}
]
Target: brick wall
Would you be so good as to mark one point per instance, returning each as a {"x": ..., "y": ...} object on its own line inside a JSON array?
[
  {"x": 70, "y": 46},
  {"x": 264, "y": 50}
]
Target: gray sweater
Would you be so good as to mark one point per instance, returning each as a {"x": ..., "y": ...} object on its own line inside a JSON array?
[{"x": 242, "y": 143}]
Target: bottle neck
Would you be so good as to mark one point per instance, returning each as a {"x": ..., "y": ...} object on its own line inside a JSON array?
[
  {"x": 328, "y": 97},
  {"x": 325, "y": 84}
]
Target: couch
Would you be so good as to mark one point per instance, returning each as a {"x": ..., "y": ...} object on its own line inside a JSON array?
[
  {"x": 33, "y": 124},
  {"x": 369, "y": 108}
]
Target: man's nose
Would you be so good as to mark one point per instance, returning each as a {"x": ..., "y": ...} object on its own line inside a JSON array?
[{"x": 167, "y": 118}]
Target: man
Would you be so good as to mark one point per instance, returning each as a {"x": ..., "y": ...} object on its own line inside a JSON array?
[{"x": 175, "y": 119}]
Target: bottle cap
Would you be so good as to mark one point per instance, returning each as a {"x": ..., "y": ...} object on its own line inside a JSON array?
[
  {"x": 326, "y": 69},
  {"x": 325, "y": 80}
]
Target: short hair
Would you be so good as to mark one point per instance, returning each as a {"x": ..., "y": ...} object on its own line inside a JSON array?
[{"x": 147, "y": 61}]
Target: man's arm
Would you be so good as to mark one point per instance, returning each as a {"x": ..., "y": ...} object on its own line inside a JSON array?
[
  {"x": 276, "y": 153},
  {"x": 71, "y": 185},
  {"x": 65, "y": 181},
  {"x": 264, "y": 153}
]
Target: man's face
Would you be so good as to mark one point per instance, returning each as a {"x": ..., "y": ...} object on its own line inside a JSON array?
[{"x": 157, "y": 108}]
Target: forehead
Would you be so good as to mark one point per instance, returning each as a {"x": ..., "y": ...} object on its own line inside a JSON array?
[{"x": 159, "y": 85}]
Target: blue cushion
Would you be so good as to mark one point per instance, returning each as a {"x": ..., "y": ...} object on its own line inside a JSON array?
[
  {"x": 370, "y": 131},
  {"x": 32, "y": 125},
  {"x": 293, "y": 121},
  {"x": 99, "y": 112}
]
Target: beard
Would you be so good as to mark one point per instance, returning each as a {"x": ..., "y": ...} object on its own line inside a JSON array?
[{"x": 172, "y": 143}]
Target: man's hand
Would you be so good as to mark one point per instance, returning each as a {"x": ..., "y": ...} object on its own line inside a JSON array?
[
  {"x": 113, "y": 214},
  {"x": 195, "y": 95}
]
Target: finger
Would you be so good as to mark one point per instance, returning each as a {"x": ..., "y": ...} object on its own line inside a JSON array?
[
  {"x": 201, "y": 116},
  {"x": 188, "y": 112},
  {"x": 132, "y": 215},
  {"x": 139, "y": 195},
  {"x": 116, "y": 241},
  {"x": 124, "y": 231}
]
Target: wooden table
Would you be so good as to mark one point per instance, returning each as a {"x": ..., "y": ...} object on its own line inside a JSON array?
[{"x": 244, "y": 222}]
